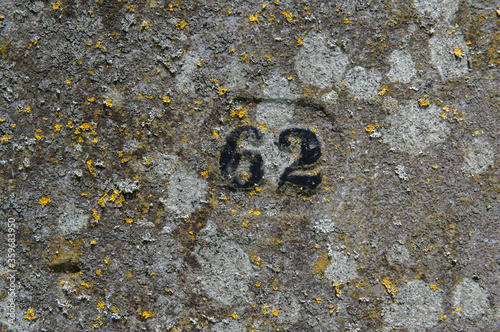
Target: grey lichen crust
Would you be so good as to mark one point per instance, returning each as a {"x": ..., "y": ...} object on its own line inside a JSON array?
[{"x": 249, "y": 166}]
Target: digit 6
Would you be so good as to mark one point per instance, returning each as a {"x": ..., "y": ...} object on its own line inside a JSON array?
[{"x": 230, "y": 159}]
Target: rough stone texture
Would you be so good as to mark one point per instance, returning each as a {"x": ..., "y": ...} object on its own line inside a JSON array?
[{"x": 371, "y": 175}]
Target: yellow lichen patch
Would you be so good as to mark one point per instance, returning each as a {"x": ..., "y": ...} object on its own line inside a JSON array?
[
  {"x": 146, "y": 314},
  {"x": 390, "y": 286},
  {"x": 299, "y": 41},
  {"x": 443, "y": 115},
  {"x": 383, "y": 90},
  {"x": 181, "y": 25},
  {"x": 254, "y": 18},
  {"x": 98, "y": 272},
  {"x": 287, "y": 15},
  {"x": 318, "y": 299},
  {"x": 91, "y": 100},
  {"x": 434, "y": 287},
  {"x": 129, "y": 220},
  {"x": 166, "y": 99},
  {"x": 84, "y": 284},
  {"x": 30, "y": 314},
  {"x": 215, "y": 134},
  {"x": 321, "y": 263},
  {"x": 424, "y": 102},
  {"x": 276, "y": 312},
  {"x": 96, "y": 215},
  {"x": 234, "y": 315},
  {"x": 222, "y": 90},
  {"x": 109, "y": 103},
  {"x": 254, "y": 258},
  {"x": 458, "y": 52},
  {"x": 369, "y": 128},
  {"x": 56, "y": 5},
  {"x": 44, "y": 201},
  {"x": 435, "y": 166},
  {"x": 346, "y": 21},
  {"x": 244, "y": 56},
  {"x": 57, "y": 126},
  {"x": 100, "y": 305}
]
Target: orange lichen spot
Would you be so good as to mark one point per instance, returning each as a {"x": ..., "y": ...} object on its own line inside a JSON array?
[
  {"x": 30, "y": 314},
  {"x": 234, "y": 315},
  {"x": 44, "y": 201},
  {"x": 434, "y": 287},
  {"x": 299, "y": 41},
  {"x": 109, "y": 103},
  {"x": 56, "y": 5},
  {"x": 254, "y": 18},
  {"x": 181, "y": 25},
  {"x": 215, "y": 134},
  {"x": 318, "y": 299},
  {"x": 424, "y": 102}
]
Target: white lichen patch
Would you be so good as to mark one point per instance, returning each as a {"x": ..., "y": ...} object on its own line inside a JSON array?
[
  {"x": 437, "y": 9},
  {"x": 469, "y": 299},
  {"x": 398, "y": 254},
  {"x": 342, "y": 268},
  {"x": 325, "y": 225},
  {"x": 412, "y": 129},
  {"x": 364, "y": 84},
  {"x": 449, "y": 53},
  {"x": 318, "y": 64},
  {"x": 114, "y": 97},
  {"x": 402, "y": 67},
  {"x": 279, "y": 88},
  {"x": 185, "y": 79},
  {"x": 478, "y": 156},
  {"x": 330, "y": 98},
  {"x": 228, "y": 325},
  {"x": 417, "y": 307},
  {"x": 275, "y": 116},
  {"x": 72, "y": 219},
  {"x": 226, "y": 269},
  {"x": 186, "y": 190}
]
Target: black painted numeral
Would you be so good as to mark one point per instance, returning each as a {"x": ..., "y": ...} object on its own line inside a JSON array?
[
  {"x": 231, "y": 157},
  {"x": 310, "y": 151}
]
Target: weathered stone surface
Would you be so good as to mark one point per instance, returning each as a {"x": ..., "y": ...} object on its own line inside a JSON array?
[{"x": 249, "y": 166}]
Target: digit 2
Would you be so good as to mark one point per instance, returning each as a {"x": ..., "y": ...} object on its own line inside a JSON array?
[
  {"x": 230, "y": 159},
  {"x": 310, "y": 151}
]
